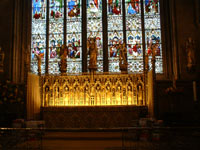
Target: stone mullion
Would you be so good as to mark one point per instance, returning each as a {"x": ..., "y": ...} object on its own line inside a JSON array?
[
  {"x": 65, "y": 24},
  {"x": 105, "y": 36},
  {"x": 124, "y": 20},
  {"x": 47, "y": 39},
  {"x": 84, "y": 37}
]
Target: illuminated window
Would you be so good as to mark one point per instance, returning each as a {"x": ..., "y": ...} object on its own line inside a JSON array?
[
  {"x": 94, "y": 28},
  {"x": 133, "y": 22},
  {"x": 38, "y": 41},
  {"x": 74, "y": 40},
  {"x": 134, "y": 35},
  {"x": 115, "y": 33},
  {"x": 153, "y": 29},
  {"x": 56, "y": 32}
]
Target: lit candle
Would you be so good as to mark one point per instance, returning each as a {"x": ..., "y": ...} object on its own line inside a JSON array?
[{"x": 195, "y": 90}]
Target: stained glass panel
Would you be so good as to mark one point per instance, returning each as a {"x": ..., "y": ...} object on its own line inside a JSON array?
[
  {"x": 38, "y": 40},
  {"x": 134, "y": 36},
  {"x": 38, "y": 9},
  {"x": 74, "y": 41},
  {"x": 56, "y": 31},
  {"x": 94, "y": 28},
  {"x": 132, "y": 7},
  {"x": 153, "y": 30},
  {"x": 56, "y": 9},
  {"x": 115, "y": 33}
]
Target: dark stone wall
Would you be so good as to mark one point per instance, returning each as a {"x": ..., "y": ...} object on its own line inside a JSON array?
[
  {"x": 187, "y": 25},
  {"x": 12, "y": 85},
  {"x": 6, "y": 35},
  {"x": 179, "y": 106}
]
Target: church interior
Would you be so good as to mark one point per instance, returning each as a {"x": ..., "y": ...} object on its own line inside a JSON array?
[{"x": 99, "y": 74}]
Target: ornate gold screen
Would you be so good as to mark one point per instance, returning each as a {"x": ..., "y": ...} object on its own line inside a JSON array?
[{"x": 93, "y": 90}]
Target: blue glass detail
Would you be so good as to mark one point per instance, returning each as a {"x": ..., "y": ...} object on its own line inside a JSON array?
[{"x": 131, "y": 10}]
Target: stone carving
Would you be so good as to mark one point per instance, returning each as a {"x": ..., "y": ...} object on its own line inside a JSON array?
[
  {"x": 123, "y": 57},
  {"x": 103, "y": 90},
  {"x": 92, "y": 46},
  {"x": 39, "y": 63},
  {"x": 190, "y": 50},
  {"x": 63, "y": 59}
]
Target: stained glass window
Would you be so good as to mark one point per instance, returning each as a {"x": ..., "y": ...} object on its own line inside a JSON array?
[
  {"x": 64, "y": 25},
  {"x": 134, "y": 36},
  {"x": 115, "y": 33},
  {"x": 74, "y": 41},
  {"x": 38, "y": 41},
  {"x": 153, "y": 30},
  {"x": 56, "y": 32},
  {"x": 94, "y": 28}
]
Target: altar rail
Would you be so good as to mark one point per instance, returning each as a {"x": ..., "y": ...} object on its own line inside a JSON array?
[{"x": 93, "y": 90}]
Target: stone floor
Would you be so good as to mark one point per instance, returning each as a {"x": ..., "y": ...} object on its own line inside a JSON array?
[
  {"x": 141, "y": 138},
  {"x": 81, "y": 140}
]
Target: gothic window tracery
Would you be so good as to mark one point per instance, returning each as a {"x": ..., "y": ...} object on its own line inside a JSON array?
[{"x": 133, "y": 22}]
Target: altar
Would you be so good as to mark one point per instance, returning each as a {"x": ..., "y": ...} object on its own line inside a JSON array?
[
  {"x": 89, "y": 100},
  {"x": 93, "y": 100},
  {"x": 92, "y": 116}
]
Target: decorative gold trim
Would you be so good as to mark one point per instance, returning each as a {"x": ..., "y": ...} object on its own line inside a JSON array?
[{"x": 99, "y": 90}]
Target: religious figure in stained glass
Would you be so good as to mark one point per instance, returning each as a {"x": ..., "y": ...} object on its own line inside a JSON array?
[
  {"x": 55, "y": 49},
  {"x": 56, "y": 8},
  {"x": 133, "y": 7},
  {"x": 74, "y": 46},
  {"x": 133, "y": 32},
  {"x": 114, "y": 7},
  {"x": 115, "y": 33},
  {"x": 39, "y": 9},
  {"x": 151, "y": 5},
  {"x": 114, "y": 47},
  {"x": 74, "y": 8},
  {"x": 153, "y": 30},
  {"x": 134, "y": 47},
  {"x": 93, "y": 7},
  {"x": 55, "y": 45},
  {"x": 74, "y": 35},
  {"x": 150, "y": 44},
  {"x": 38, "y": 49},
  {"x": 115, "y": 39}
]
